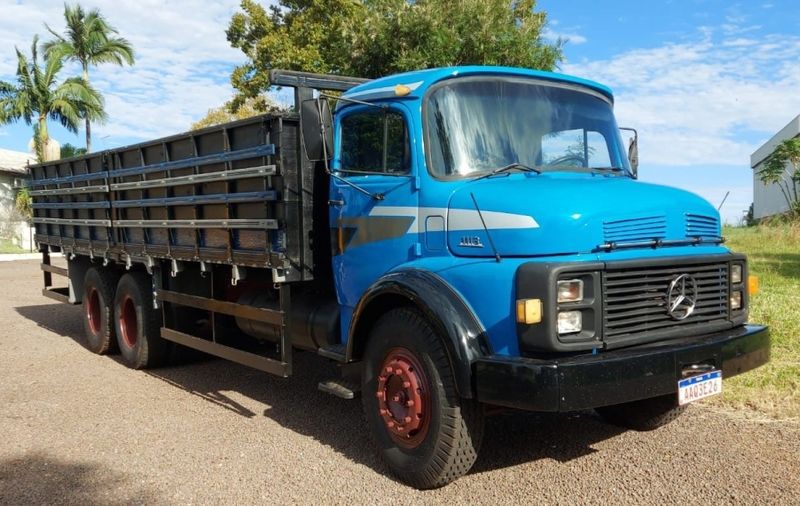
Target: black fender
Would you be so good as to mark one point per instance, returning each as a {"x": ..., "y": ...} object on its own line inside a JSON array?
[{"x": 464, "y": 336}]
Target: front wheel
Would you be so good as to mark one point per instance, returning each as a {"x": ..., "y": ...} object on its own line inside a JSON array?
[
  {"x": 426, "y": 434},
  {"x": 644, "y": 415}
]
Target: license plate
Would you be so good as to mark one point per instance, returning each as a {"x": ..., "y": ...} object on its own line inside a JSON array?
[{"x": 699, "y": 387}]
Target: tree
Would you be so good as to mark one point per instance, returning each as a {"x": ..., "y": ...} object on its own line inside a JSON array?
[
  {"x": 224, "y": 113},
  {"x": 781, "y": 168},
  {"x": 372, "y": 38},
  {"x": 68, "y": 151},
  {"x": 23, "y": 203},
  {"x": 88, "y": 40},
  {"x": 36, "y": 96}
]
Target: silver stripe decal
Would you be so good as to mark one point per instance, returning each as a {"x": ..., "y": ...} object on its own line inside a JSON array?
[
  {"x": 468, "y": 219},
  {"x": 458, "y": 219}
]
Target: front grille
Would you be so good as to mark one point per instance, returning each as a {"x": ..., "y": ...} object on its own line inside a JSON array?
[
  {"x": 698, "y": 225},
  {"x": 635, "y": 300},
  {"x": 635, "y": 229}
]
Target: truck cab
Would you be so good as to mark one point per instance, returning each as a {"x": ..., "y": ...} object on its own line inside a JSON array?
[{"x": 500, "y": 205}]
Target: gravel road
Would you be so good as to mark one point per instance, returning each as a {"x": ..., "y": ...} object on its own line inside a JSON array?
[{"x": 77, "y": 428}]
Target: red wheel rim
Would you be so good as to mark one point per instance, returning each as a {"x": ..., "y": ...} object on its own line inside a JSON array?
[
  {"x": 128, "y": 325},
  {"x": 404, "y": 397},
  {"x": 93, "y": 312}
]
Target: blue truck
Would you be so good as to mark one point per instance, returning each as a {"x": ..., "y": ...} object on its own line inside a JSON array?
[{"x": 453, "y": 238}]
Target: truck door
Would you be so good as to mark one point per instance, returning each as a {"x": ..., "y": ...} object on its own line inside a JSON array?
[{"x": 373, "y": 209}]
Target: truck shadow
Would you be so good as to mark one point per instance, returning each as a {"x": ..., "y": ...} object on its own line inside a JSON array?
[
  {"x": 61, "y": 319},
  {"x": 39, "y": 478},
  {"x": 511, "y": 438}
]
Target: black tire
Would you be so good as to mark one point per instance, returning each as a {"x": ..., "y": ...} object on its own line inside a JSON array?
[
  {"x": 137, "y": 324},
  {"x": 643, "y": 415},
  {"x": 445, "y": 445},
  {"x": 99, "y": 286}
]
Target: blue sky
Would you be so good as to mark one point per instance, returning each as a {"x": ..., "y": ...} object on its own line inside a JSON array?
[{"x": 704, "y": 81}]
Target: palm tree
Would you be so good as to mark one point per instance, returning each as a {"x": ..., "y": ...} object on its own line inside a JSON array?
[
  {"x": 36, "y": 96},
  {"x": 88, "y": 41}
]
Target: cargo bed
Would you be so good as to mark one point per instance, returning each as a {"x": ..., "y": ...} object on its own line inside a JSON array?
[{"x": 236, "y": 194}]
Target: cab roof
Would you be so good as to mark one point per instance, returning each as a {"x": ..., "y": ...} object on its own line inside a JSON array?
[{"x": 419, "y": 81}]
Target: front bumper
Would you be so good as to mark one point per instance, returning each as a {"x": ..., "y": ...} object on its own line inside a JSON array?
[{"x": 613, "y": 377}]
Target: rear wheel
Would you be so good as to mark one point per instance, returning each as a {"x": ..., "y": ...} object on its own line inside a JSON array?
[
  {"x": 98, "y": 312},
  {"x": 138, "y": 325},
  {"x": 426, "y": 434},
  {"x": 646, "y": 414}
]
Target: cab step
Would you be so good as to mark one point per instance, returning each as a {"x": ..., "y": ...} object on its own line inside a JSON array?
[{"x": 342, "y": 388}]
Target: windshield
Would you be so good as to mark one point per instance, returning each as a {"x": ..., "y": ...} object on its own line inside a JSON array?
[{"x": 476, "y": 125}]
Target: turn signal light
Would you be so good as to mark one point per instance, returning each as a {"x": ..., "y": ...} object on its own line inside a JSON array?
[
  {"x": 752, "y": 285},
  {"x": 529, "y": 311}
]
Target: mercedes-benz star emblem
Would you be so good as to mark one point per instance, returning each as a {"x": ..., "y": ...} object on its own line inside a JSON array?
[{"x": 681, "y": 297}]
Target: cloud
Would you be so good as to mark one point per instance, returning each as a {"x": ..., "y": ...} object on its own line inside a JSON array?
[
  {"x": 3, "y": 133},
  {"x": 183, "y": 60},
  {"x": 710, "y": 100}
]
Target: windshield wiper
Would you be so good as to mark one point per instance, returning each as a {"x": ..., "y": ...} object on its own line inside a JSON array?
[
  {"x": 608, "y": 169},
  {"x": 506, "y": 168},
  {"x": 592, "y": 170}
]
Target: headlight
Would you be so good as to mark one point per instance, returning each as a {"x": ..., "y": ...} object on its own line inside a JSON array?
[
  {"x": 570, "y": 290},
  {"x": 736, "y": 274},
  {"x": 736, "y": 300},
  {"x": 570, "y": 322}
]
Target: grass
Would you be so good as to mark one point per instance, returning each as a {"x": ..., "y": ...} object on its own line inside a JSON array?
[
  {"x": 9, "y": 247},
  {"x": 774, "y": 256}
]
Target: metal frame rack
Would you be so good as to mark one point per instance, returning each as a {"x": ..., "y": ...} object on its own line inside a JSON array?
[{"x": 240, "y": 195}]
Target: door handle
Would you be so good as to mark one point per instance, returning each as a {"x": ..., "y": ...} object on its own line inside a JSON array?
[{"x": 337, "y": 203}]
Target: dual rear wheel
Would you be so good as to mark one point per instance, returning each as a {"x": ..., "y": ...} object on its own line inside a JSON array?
[
  {"x": 119, "y": 316},
  {"x": 98, "y": 318}
]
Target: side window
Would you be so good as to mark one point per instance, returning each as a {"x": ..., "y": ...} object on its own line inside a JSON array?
[{"x": 375, "y": 141}]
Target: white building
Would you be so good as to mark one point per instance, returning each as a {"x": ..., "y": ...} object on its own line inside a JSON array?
[
  {"x": 768, "y": 199},
  {"x": 13, "y": 172}
]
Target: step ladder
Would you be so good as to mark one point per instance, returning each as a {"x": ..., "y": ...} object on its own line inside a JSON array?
[{"x": 60, "y": 293}]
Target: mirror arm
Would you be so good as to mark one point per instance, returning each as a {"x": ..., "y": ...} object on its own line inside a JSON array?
[
  {"x": 375, "y": 196},
  {"x": 323, "y": 133},
  {"x": 354, "y": 101}
]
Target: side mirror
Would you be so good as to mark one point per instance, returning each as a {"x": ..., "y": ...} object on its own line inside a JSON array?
[
  {"x": 633, "y": 151},
  {"x": 316, "y": 124}
]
